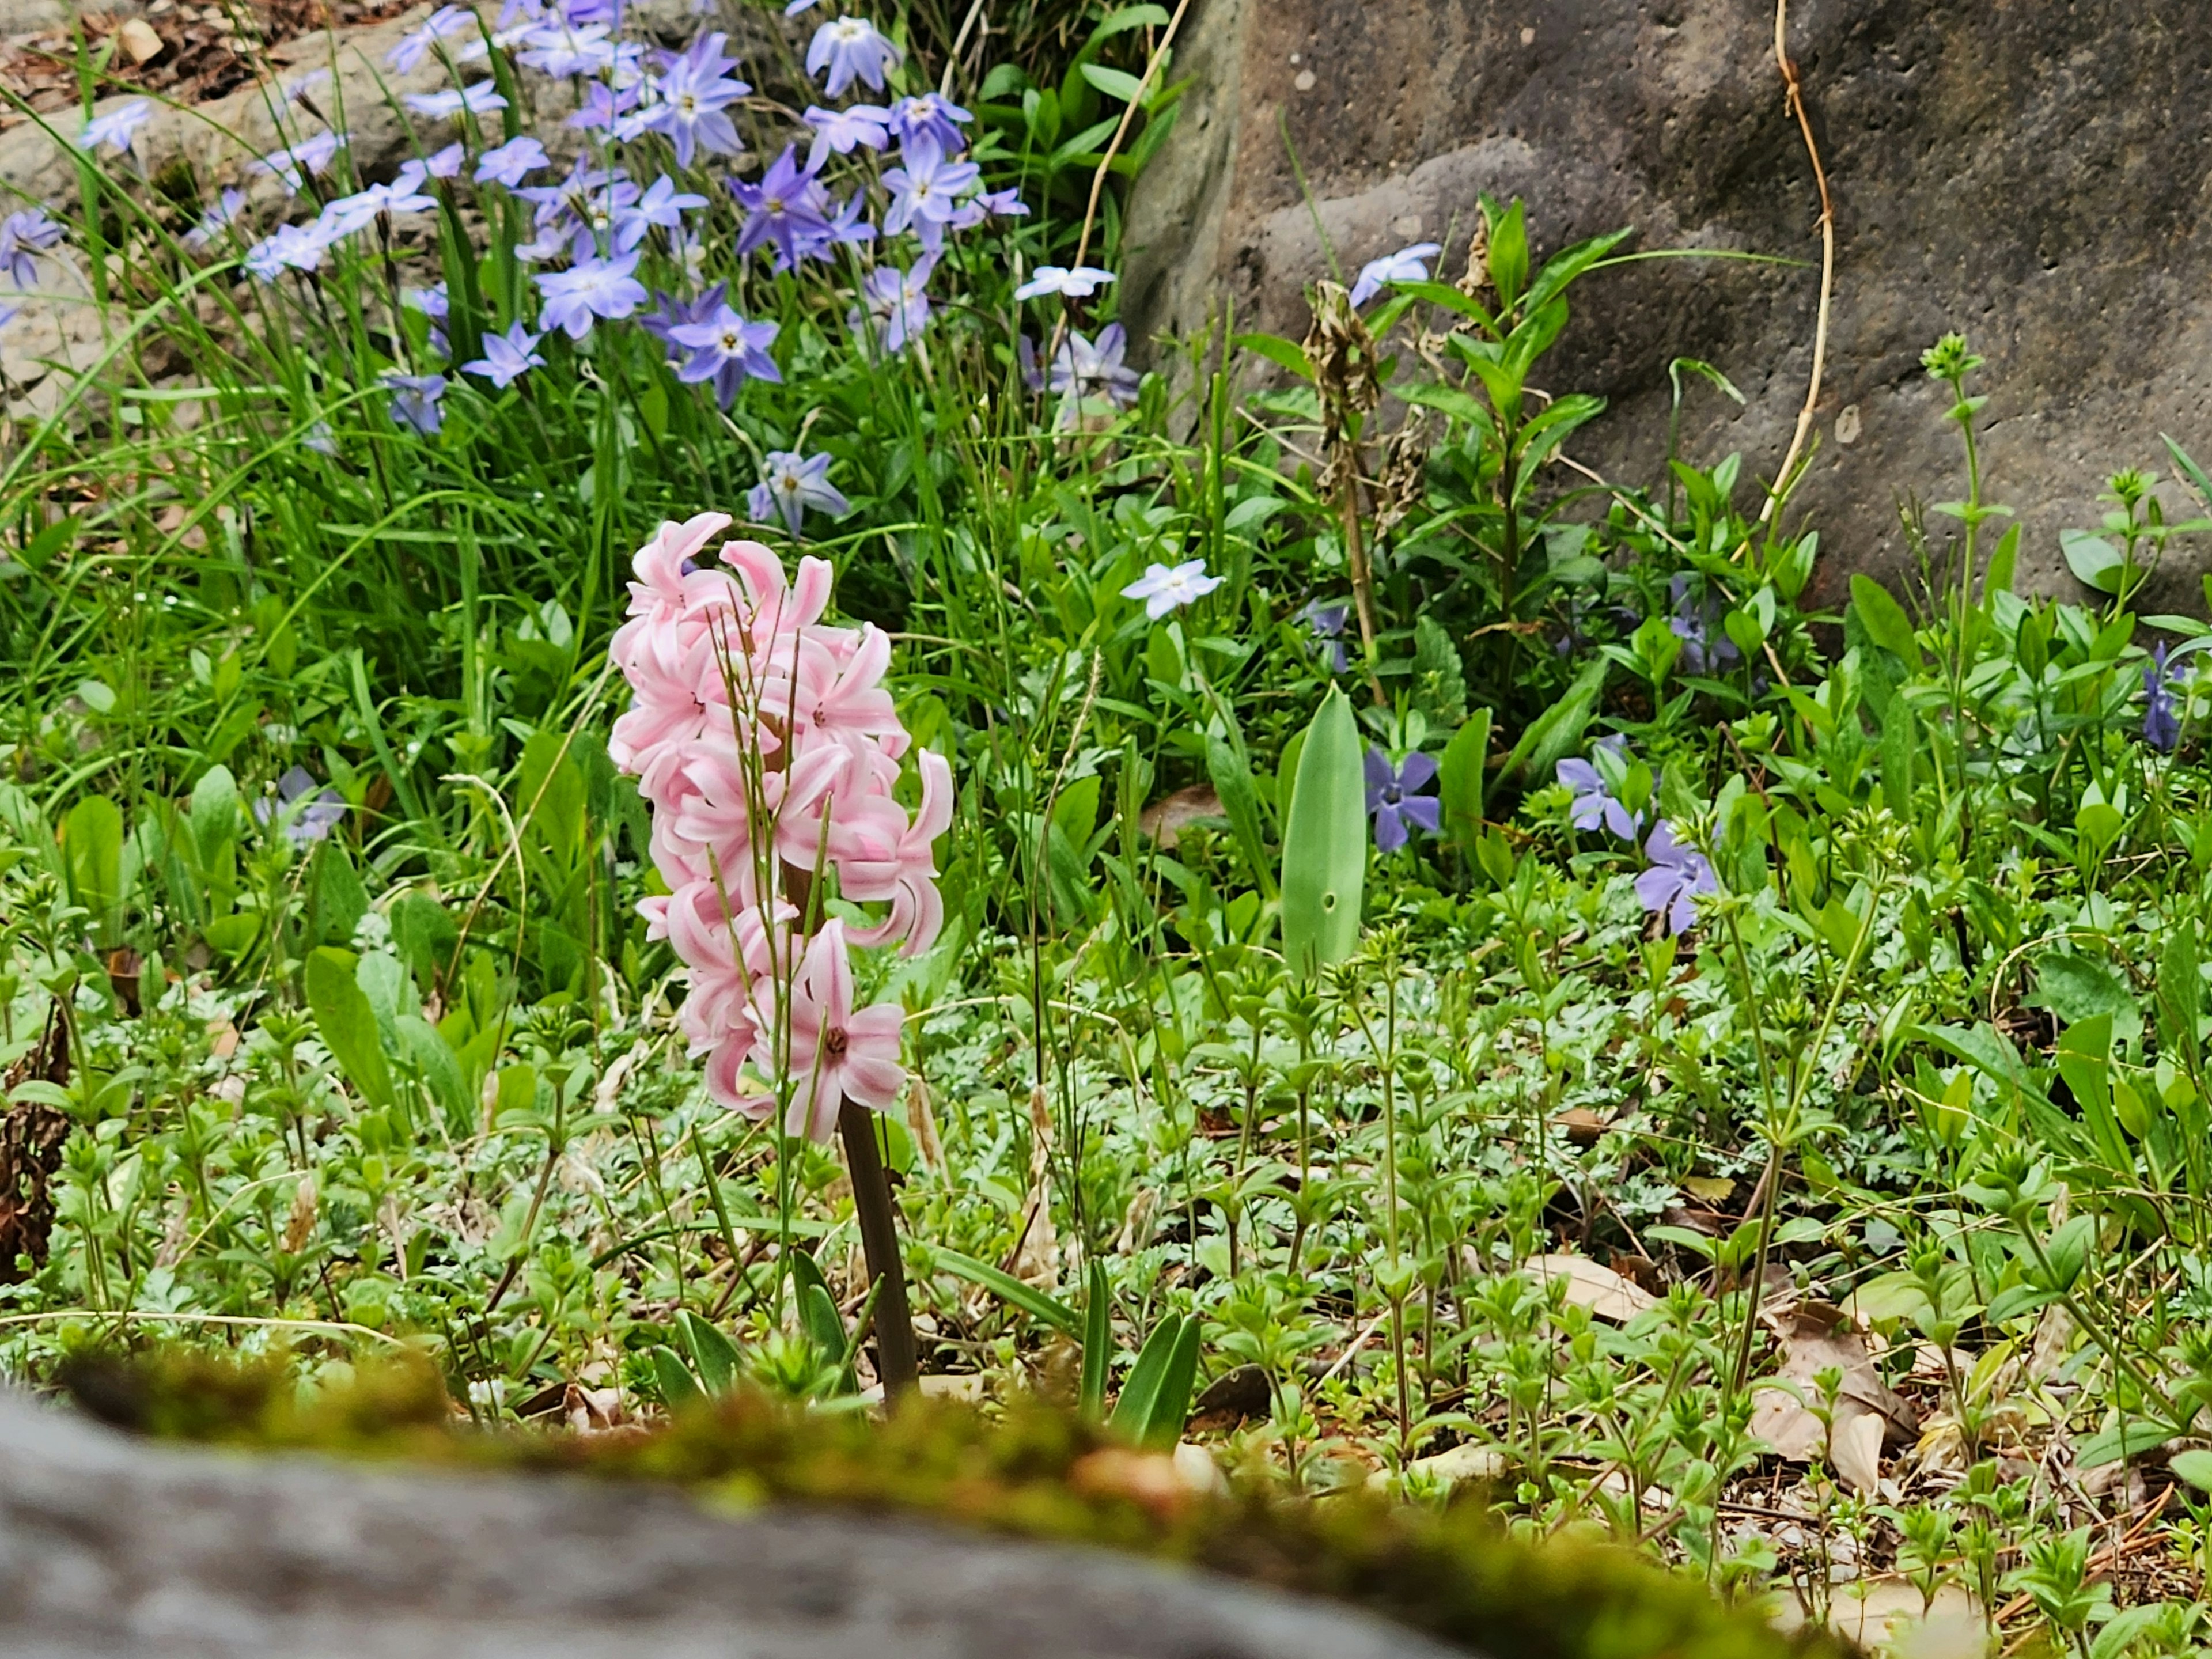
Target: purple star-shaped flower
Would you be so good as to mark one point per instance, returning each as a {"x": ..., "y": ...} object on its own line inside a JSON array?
[
  {"x": 785, "y": 206},
  {"x": 792, "y": 483},
  {"x": 1678, "y": 874},
  {"x": 661, "y": 205},
  {"x": 895, "y": 301},
  {"x": 116, "y": 129},
  {"x": 1393, "y": 801},
  {"x": 415, "y": 401},
  {"x": 929, "y": 116},
  {"x": 507, "y": 356},
  {"x": 670, "y": 313},
  {"x": 926, "y": 190},
  {"x": 1408, "y": 264},
  {"x": 692, "y": 110},
  {"x": 728, "y": 350},
  {"x": 31, "y": 232},
  {"x": 844, "y": 131},
  {"x": 593, "y": 287},
  {"x": 1090, "y": 371},
  {"x": 512, "y": 162},
  {"x": 1326, "y": 622},
  {"x": 1703, "y": 649}
]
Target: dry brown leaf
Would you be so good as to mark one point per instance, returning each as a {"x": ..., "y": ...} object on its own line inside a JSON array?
[
  {"x": 1818, "y": 1338},
  {"x": 1163, "y": 820},
  {"x": 1603, "y": 1292}
]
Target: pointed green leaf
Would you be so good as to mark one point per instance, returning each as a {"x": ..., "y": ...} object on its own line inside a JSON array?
[
  {"x": 1325, "y": 843},
  {"x": 347, "y": 1024}
]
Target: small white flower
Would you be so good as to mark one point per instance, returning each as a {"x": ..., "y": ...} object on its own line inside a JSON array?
[
  {"x": 1079, "y": 283},
  {"x": 1164, "y": 590}
]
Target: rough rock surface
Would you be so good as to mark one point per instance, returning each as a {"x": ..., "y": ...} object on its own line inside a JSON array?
[
  {"x": 2032, "y": 172},
  {"x": 109, "y": 1546}
]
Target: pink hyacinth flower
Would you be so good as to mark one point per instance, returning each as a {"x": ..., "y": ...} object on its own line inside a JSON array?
[{"x": 837, "y": 1052}]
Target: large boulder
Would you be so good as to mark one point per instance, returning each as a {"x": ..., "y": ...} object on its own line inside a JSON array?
[
  {"x": 110, "y": 1545},
  {"x": 2029, "y": 173}
]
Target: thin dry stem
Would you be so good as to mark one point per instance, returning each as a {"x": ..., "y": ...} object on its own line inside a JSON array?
[{"x": 1794, "y": 91}]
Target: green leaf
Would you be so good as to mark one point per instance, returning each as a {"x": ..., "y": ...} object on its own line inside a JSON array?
[
  {"x": 1569, "y": 263},
  {"x": 1114, "y": 83},
  {"x": 1445, "y": 294},
  {"x": 2194, "y": 1467},
  {"x": 1325, "y": 843},
  {"x": 347, "y": 1022},
  {"x": 1231, "y": 775},
  {"x": 1010, "y": 1289},
  {"x": 1156, "y": 1399},
  {"x": 713, "y": 1354},
  {"x": 1884, "y": 619},
  {"x": 92, "y": 856},
  {"x": 1508, "y": 251},
  {"x": 1097, "y": 1342},
  {"x": 1125, "y": 18},
  {"x": 2095, "y": 562},
  {"x": 2129, "y": 1438},
  {"x": 335, "y": 899},
  {"x": 1283, "y": 354},
  {"x": 1459, "y": 778},
  {"x": 677, "y": 1387}
]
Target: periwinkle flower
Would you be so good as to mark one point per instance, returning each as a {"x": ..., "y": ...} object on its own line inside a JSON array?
[
  {"x": 593, "y": 288},
  {"x": 507, "y": 356},
  {"x": 446, "y": 163},
  {"x": 1164, "y": 587},
  {"x": 728, "y": 350},
  {"x": 2161, "y": 726},
  {"x": 692, "y": 107},
  {"x": 291, "y": 247},
  {"x": 1079, "y": 283},
  {"x": 1394, "y": 800},
  {"x": 1593, "y": 803},
  {"x": 414, "y": 47},
  {"x": 851, "y": 49},
  {"x": 670, "y": 313},
  {"x": 662, "y": 205},
  {"x": 306, "y": 813},
  {"x": 415, "y": 401},
  {"x": 116, "y": 130},
  {"x": 563, "y": 50},
  {"x": 1677, "y": 875},
  {"x": 1326, "y": 622},
  {"x": 792, "y": 483},
  {"x": 1706, "y": 645},
  {"x": 1408, "y": 264}
]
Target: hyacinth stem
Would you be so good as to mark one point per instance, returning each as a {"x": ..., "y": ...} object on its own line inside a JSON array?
[{"x": 871, "y": 1200}]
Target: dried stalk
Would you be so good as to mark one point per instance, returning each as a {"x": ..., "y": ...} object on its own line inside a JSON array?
[{"x": 1793, "y": 91}]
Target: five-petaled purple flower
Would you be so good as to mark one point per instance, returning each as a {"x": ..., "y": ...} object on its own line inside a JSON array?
[
  {"x": 1703, "y": 650},
  {"x": 1327, "y": 624},
  {"x": 512, "y": 162},
  {"x": 1594, "y": 804},
  {"x": 783, "y": 208},
  {"x": 1392, "y": 799},
  {"x": 507, "y": 357},
  {"x": 728, "y": 350},
  {"x": 844, "y": 131},
  {"x": 306, "y": 813},
  {"x": 1091, "y": 370},
  {"x": 116, "y": 128},
  {"x": 30, "y": 232},
  {"x": 1678, "y": 874},
  {"x": 926, "y": 190},
  {"x": 851, "y": 49},
  {"x": 937, "y": 118},
  {"x": 415, "y": 401},
  {"x": 693, "y": 108},
  {"x": 2161, "y": 719},
  {"x": 895, "y": 301},
  {"x": 792, "y": 483}
]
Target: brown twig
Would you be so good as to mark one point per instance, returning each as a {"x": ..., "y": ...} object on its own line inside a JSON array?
[{"x": 1794, "y": 92}]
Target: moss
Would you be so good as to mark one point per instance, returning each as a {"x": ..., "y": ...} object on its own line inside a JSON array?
[{"x": 1034, "y": 1473}]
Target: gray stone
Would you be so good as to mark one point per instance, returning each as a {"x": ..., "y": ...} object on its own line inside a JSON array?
[
  {"x": 109, "y": 1546},
  {"x": 2032, "y": 172}
]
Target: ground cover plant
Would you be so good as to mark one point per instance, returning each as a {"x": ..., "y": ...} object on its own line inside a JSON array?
[{"x": 638, "y": 762}]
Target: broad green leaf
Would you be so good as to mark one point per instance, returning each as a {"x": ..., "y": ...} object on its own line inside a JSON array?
[
  {"x": 1325, "y": 843},
  {"x": 2130, "y": 1438},
  {"x": 1884, "y": 619},
  {"x": 1559, "y": 729},
  {"x": 1459, "y": 778},
  {"x": 677, "y": 1387},
  {"x": 1231, "y": 776},
  {"x": 1149, "y": 1395},
  {"x": 2194, "y": 1467},
  {"x": 2095, "y": 562},
  {"x": 1097, "y": 1342},
  {"x": 713, "y": 1354},
  {"x": 1569, "y": 263},
  {"x": 347, "y": 1022},
  {"x": 1114, "y": 83},
  {"x": 1283, "y": 354},
  {"x": 1508, "y": 251},
  {"x": 92, "y": 854}
]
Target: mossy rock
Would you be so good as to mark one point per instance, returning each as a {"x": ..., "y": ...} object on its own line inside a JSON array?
[{"x": 754, "y": 1475}]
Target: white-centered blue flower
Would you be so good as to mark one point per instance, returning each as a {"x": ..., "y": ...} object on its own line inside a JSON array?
[
  {"x": 116, "y": 128},
  {"x": 1408, "y": 264},
  {"x": 1163, "y": 589}
]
